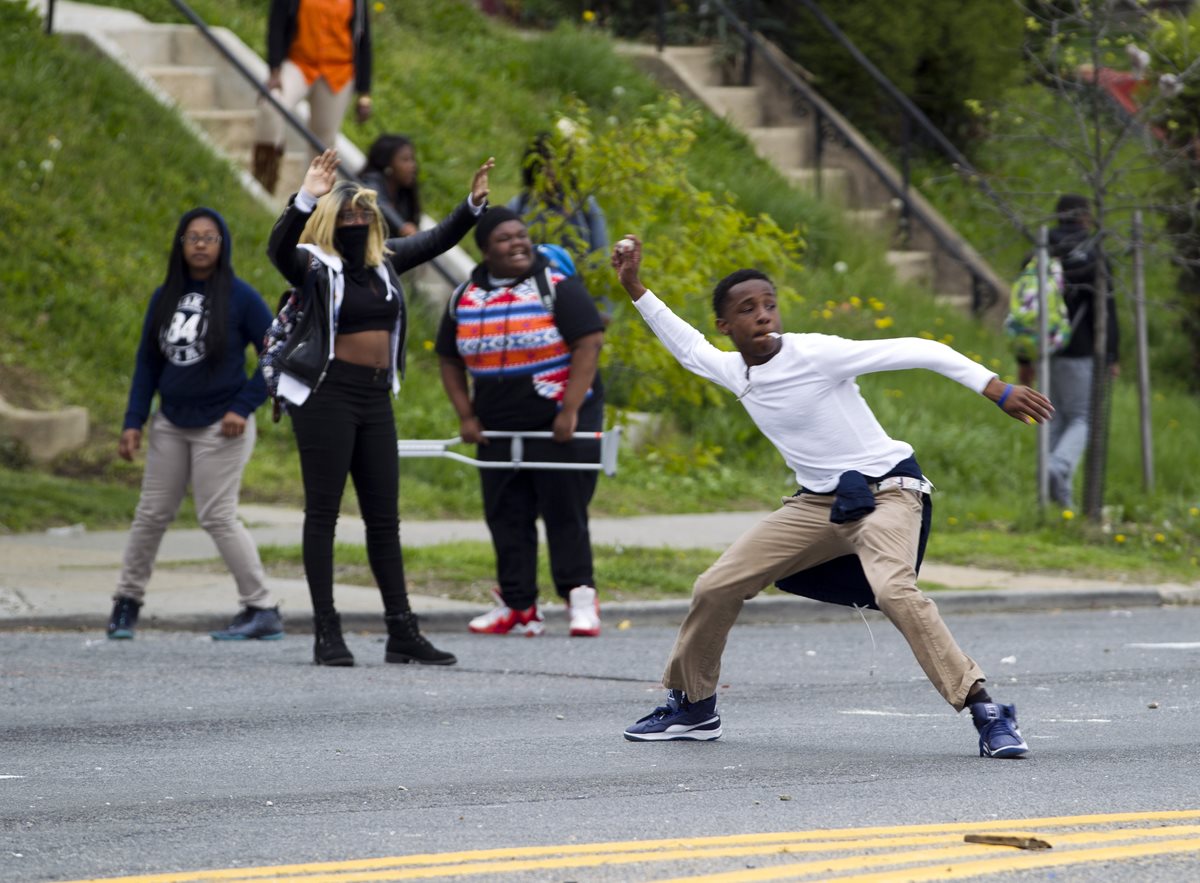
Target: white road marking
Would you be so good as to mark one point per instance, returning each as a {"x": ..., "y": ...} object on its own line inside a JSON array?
[
  {"x": 873, "y": 713},
  {"x": 1170, "y": 645}
]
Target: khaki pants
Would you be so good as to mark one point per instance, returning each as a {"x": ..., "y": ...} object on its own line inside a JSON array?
[
  {"x": 798, "y": 536},
  {"x": 213, "y": 464},
  {"x": 326, "y": 108}
]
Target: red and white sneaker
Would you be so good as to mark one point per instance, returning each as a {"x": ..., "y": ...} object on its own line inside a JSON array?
[
  {"x": 503, "y": 620},
  {"x": 584, "y": 607}
]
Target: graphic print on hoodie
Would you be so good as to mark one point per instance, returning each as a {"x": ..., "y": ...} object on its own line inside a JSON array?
[{"x": 182, "y": 342}]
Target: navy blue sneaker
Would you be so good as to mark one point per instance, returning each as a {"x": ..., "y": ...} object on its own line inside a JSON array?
[
  {"x": 678, "y": 719},
  {"x": 252, "y": 624},
  {"x": 124, "y": 619},
  {"x": 998, "y": 733}
]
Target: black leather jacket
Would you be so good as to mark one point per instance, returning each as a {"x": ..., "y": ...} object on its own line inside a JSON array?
[{"x": 314, "y": 275}]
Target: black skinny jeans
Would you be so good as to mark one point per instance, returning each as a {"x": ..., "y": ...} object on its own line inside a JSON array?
[{"x": 346, "y": 426}]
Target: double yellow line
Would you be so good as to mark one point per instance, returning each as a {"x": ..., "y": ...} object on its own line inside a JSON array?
[{"x": 926, "y": 852}]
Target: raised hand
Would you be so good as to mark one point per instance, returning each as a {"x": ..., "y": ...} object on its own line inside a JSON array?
[
  {"x": 627, "y": 260},
  {"x": 322, "y": 173},
  {"x": 479, "y": 184}
]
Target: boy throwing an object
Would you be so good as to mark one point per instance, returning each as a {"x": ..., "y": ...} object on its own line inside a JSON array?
[{"x": 856, "y": 520}]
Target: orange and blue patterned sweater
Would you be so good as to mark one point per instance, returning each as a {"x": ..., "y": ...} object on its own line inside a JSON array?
[{"x": 516, "y": 350}]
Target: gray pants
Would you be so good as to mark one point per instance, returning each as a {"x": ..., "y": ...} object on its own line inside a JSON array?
[
  {"x": 213, "y": 464},
  {"x": 798, "y": 536},
  {"x": 1071, "y": 393}
]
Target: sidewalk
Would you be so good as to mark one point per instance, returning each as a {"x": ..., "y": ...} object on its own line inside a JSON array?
[{"x": 64, "y": 578}]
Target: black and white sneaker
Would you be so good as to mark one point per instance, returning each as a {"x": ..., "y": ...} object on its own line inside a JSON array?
[{"x": 679, "y": 719}]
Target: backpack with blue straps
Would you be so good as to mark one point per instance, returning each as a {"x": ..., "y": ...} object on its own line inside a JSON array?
[{"x": 558, "y": 261}]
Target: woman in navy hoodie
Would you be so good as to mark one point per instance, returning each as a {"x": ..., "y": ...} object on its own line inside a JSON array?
[{"x": 193, "y": 354}]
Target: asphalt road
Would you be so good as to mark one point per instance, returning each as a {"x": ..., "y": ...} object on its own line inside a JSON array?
[{"x": 173, "y": 754}]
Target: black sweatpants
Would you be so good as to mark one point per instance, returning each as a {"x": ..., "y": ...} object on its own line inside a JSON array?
[
  {"x": 346, "y": 427},
  {"x": 512, "y": 502}
]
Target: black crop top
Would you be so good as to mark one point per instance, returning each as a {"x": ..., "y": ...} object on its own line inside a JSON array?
[{"x": 367, "y": 307}]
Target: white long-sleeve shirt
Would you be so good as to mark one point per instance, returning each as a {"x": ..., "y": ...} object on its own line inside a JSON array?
[{"x": 805, "y": 399}]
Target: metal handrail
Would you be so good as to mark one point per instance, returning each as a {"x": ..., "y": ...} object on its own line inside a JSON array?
[
  {"x": 290, "y": 118},
  {"x": 914, "y": 114},
  {"x": 953, "y": 247}
]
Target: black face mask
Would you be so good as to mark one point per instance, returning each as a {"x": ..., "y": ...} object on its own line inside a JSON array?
[{"x": 351, "y": 243}]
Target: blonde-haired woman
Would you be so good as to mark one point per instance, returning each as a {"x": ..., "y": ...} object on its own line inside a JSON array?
[{"x": 343, "y": 361}]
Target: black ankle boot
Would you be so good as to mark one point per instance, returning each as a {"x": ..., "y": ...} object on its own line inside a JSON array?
[
  {"x": 406, "y": 644},
  {"x": 330, "y": 648}
]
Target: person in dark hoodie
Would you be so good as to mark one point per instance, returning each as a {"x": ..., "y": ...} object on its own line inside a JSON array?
[
  {"x": 340, "y": 362},
  {"x": 532, "y": 365},
  {"x": 1074, "y": 243},
  {"x": 193, "y": 354}
]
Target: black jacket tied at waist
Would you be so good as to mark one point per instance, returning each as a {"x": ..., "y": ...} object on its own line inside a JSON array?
[{"x": 842, "y": 580}]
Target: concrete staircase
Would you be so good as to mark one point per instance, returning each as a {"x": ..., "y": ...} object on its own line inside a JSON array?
[
  {"x": 183, "y": 70},
  {"x": 782, "y": 127},
  {"x": 206, "y": 89}
]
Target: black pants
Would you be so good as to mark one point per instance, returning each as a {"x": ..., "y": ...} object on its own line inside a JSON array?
[
  {"x": 346, "y": 426},
  {"x": 512, "y": 502}
]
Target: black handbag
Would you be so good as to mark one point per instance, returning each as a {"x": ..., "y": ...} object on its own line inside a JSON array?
[{"x": 306, "y": 351}]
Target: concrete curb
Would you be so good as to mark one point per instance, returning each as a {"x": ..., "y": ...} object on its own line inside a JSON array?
[{"x": 773, "y": 608}]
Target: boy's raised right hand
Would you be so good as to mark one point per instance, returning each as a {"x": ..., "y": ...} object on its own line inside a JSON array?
[{"x": 627, "y": 260}]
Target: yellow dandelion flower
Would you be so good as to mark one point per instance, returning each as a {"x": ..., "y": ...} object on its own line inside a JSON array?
[
  {"x": 884, "y": 322},
  {"x": 948, "y": 338},
  {"x": 855, "y": 301},
  {"x": 1067, "y": 515},
  {"x": 826, "y": 314},
  {"x": 1193, "y": 512},
  {"x": 928, "y": 335},
  {"x": 1159, "y": 538},
  {"x": 1119, "y": 538},
  {"x": 994, "y": 363},
  {"x": 428, "y": 345},
  {"x": 952, "y": 521},
  {"x": 589, "y": 16},
  {"x": 378, "y": 7}
]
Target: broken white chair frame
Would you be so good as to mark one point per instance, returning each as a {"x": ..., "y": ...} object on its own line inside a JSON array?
[{"x": 609, "y": 443}]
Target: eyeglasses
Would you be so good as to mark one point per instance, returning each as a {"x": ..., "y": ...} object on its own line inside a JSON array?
[
  {"x": 195, "y": 239},
  {"x": 355, "y": 217}
]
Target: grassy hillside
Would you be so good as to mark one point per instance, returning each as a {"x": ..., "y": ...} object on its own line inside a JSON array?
[{"x": 86, "y": 242}]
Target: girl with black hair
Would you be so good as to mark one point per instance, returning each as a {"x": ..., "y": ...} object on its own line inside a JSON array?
[
  {"x": 391, "y": 171},
  {"x": 193, "y": 354}
]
